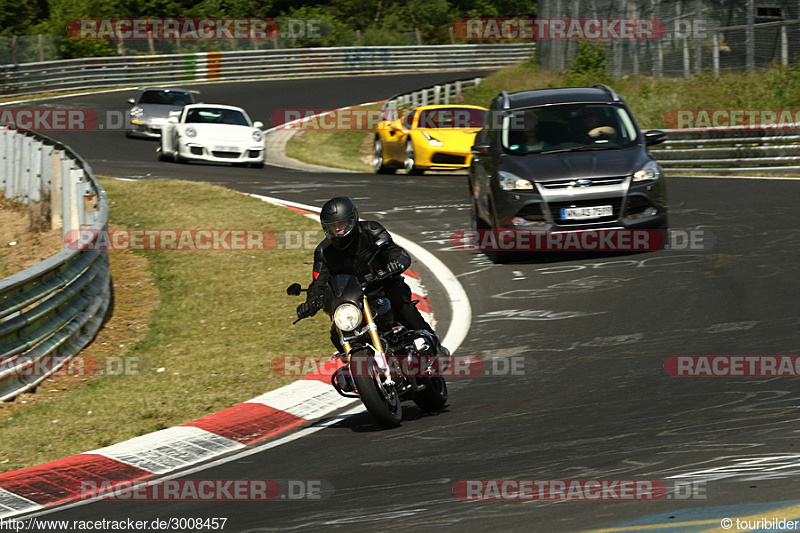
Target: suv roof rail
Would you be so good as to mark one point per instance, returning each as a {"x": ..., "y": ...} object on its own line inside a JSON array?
[
  {"x": 614, "y": 96},
  {"x": 504, "y": 96}
]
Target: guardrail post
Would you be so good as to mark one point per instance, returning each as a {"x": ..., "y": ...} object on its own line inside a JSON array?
[
  {"x": 35, "y": 173},
  {"x": 14, "y": 186},
  {"x": 437, "y": 89},
  {"x": 784, "y": 45},
  {"x": 5, "y": 169},
  {"x": 715, "y": 53},
  {"x": 76, "y": 190},
  {"x": 56, "y": 190}
]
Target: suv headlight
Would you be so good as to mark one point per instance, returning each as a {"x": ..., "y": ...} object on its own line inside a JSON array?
[
  {"x": 347, "y": 317},
  {"x": 512, "y": 182},
  {"x": 650, "y": 172}
]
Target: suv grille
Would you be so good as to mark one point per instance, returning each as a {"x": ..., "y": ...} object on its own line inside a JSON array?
[{"x": 572, "y": 183}]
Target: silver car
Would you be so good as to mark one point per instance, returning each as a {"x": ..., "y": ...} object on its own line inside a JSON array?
[{"x": 150, "y": 113}]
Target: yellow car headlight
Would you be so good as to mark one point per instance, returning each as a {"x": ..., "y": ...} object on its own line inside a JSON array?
[{"x": 347, "y": 317}]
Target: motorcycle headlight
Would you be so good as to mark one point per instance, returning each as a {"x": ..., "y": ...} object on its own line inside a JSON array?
[
  {"x": 347, "y": 317},
  {"x": 190, "y": 132},
  {"x": 258, "y": 136},
  {"x": 512, "y": 182},
  {"x": 650, "y": 172}
]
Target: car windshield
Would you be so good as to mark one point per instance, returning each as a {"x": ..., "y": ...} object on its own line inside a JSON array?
[
  {"x": 567, "y": 128},
  {"x": 451, "y": 117},
  {"x": 213, "y": 115},
  {"x": 176, "y": 98}
]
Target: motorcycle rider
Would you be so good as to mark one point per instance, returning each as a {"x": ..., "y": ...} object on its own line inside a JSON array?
[{"x": 349, "y": 243}]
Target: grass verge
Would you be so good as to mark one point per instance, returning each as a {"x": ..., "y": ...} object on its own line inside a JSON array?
[{"x": 216, "y": 319}]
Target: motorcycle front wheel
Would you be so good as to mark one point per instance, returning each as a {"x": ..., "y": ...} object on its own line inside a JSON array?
[{"x": 381, "y": 401}]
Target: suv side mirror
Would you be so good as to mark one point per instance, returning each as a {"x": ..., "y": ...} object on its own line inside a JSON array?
[
  {"x": 480, "y": 148},
  {"x": 652, "y": 137}
]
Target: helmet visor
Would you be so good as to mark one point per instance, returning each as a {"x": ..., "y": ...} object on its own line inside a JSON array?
[{"x": 340, "y": 228}]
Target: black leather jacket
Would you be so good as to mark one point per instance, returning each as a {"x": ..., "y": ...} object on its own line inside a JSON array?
[{"x": 353, "y": 260}]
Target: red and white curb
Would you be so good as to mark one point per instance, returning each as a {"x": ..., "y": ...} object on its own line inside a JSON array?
[{"x": 179, "y": 448}]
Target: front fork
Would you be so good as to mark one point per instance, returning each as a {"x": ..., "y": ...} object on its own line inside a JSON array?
[{"x": 380, "y": 354}]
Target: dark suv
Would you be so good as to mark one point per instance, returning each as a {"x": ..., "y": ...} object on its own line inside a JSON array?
[{"x": 562, "y": 160}]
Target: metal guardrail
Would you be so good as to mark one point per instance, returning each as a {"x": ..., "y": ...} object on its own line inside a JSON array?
[
  {"x": 446, "y": 93},
  {"x": 50, "y": 311},
  {"x": 744, "y": 150},
  {"x": 30, "y": 78}
]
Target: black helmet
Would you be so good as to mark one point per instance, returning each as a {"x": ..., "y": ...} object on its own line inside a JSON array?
[{"x": 339, "y": 219}]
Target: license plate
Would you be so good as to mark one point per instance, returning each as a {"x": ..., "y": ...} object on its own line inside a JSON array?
[
  {"x": 226, "y": 149},
  {"x": 582, "y": 213}
]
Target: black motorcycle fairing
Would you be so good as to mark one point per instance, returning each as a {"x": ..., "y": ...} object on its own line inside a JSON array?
[{"x": 342, "y": 288}]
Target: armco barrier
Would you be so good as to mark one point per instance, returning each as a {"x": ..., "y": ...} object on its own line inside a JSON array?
[
  {"x": 735, "y": 151},
  {"x": 30, "y": 78},
  {"x": 56, "y": 307}
]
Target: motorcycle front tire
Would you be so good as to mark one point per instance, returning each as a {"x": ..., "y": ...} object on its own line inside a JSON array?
[{"x": 382, "y": 402}]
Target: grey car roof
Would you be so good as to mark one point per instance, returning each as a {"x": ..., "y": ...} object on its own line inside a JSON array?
[{"x": 563, "y": 95}]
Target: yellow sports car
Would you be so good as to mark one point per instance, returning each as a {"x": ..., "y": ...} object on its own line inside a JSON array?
[{"x": 429, "y": 137}]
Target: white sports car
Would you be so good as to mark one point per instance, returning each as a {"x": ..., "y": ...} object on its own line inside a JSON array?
[{"x": 212, "y": 132}]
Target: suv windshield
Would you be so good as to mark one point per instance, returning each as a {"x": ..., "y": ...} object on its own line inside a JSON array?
[{"x": 568, "y": 127}]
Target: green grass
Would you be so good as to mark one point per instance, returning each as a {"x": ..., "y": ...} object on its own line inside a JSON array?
[
  {"x": 222, "y": 316},
  {"x": 336, "y": 149},
  {"x": 650, "y": 100}
]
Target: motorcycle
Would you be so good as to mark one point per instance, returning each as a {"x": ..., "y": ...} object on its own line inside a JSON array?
[{"x": 384, "y": 363}]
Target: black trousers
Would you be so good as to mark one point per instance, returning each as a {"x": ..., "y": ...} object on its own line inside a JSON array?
[{"x": 399, "y": 294}]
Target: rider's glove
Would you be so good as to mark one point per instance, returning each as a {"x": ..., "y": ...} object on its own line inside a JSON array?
[
  {"x": 394, "y": 267},
  {"x": 307, "y": 309}
]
